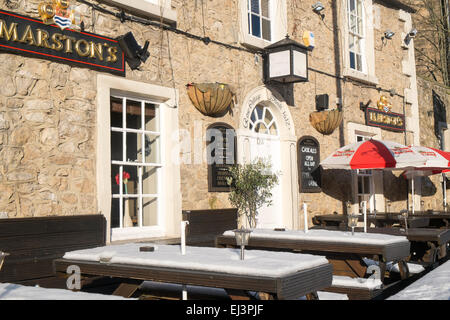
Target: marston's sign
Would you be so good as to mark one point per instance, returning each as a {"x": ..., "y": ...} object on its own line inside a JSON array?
[
  {"x": 385, "y": 120},
  {"x": 24, "y": 35}
]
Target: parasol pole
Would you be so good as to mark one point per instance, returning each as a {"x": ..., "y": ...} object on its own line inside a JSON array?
[{"x": 412, "y": 192}]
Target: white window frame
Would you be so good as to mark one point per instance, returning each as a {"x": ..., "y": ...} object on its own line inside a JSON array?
[
  {"x": 124, "y": 162},
  {"x": 278, "y": 24},
  {"x": 262, "y": 120},
  {"x": 169, "y": 217},
  {"x": 367, "y": 74},
  {"x": 261, "y": 17},
  {"x": 359, "y": 36},
  {"x": 370, "y": 194},
  {"x": 154, "y": 9},
  {"x": 354, "y": 130}
]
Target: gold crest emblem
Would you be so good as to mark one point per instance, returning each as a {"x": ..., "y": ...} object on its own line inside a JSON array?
[
  {"x": 59, "y": 12},
  {"x": 384, "y": 105}
]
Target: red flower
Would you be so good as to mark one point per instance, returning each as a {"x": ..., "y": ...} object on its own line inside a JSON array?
[{"x": 125, "y": 177}]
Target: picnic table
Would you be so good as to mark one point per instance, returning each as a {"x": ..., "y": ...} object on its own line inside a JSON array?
[
  {"x": 344, "y": 250},
  {"x": 428, "y": 245},
  {"x": 277, "y": 275},
  {"x": 379, "y": 219}
]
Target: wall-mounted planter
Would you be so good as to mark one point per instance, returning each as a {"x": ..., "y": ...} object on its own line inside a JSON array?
[
  {"x": 326, "y": 121},
  {"x": 210, "y": 98}
]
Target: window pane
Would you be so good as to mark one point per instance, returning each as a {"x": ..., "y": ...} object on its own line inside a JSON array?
[
  {"x": 366, "y": 185},
  {"x": 256, "y": 26},
  {"x": 149, "y": 180},
  {"x": 254, "y": 6},
  {"x": 359, "y": 65},
  {"x": 268, "y": 116},
  {"x": 253, "y": 117},
  {"x": 273, "y": 129},
  {"x": 152, "y": 147},
  {"x": 359, "y": 30},
  {"x": 259, "y": 110},
  {"x": 352, "y": 60},
  {"x": 265, "y": 8},
  {"x": 359, "y": 8},
  {"x": 150, "y": 212},
  {"x": 115, "y": 222},
  {"x": 351, "y": 5},
  {"x": 151, "y": 118},
  {"x": 131, "y": 187},
  {"x": 266, "y": 29},
  {"x": 352, "y": 23},
  {"x": 351, "y": 43},
  {"x": 360, "y": 185},
  {"x": 116, "y": 145}
]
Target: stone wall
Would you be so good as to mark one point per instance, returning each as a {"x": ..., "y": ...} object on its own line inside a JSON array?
[
  {"x": 48, "y": 119},
  {"x": 432, "y": 189}
]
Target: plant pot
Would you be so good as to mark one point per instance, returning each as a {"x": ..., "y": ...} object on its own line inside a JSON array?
[
  {"x": 210, "y": 98},
  {"x": 326, "y": 121}
]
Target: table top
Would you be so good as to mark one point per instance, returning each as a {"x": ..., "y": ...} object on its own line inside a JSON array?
[
  {"x": 440, "y": 236},
  {"x": 391, "y": 247},
  {"x": 213, "y": 267}
]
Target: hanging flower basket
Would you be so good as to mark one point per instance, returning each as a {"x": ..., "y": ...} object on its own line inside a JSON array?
[
  {"x": 326, "y": 121},
  {"x": 210, "y": 98}
]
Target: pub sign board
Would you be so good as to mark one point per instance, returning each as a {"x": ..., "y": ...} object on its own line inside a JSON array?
[
  {"x": 225, "y": 152},
  {"x": 309, "y": 161},
  {"x": 386, "y": 120},
  {"x": 28, "y": 36}
]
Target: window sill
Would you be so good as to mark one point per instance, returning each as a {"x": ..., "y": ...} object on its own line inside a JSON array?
[
  {"x": 253, "y": 42},
  {"x": 146, "y": 9},
  {"x": 361, "y": 77}
]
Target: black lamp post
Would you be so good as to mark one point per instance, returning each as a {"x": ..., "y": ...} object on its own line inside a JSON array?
[{"x": 286, "y": 61}]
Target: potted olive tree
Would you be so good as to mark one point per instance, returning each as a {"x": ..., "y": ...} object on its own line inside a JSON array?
[{"x": 252, "y": 185}]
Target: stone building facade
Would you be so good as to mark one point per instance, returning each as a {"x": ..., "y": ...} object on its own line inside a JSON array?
[{"x": 56, "y": 125}]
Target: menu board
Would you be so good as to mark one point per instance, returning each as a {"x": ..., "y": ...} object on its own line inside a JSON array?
[
  {"x": 218, "y": 172},
  {"x": 309, "y": 161}
]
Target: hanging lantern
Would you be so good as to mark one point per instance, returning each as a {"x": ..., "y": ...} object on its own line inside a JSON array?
[
  {"x": 326, "y": 121},
  {"x": 210, "y": 98},
  {"x": 286, "y": 61}
]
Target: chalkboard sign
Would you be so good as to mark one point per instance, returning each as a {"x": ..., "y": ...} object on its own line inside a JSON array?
[
  {"x": 309, "y": 160},
  {"x": 218, "y": 172}
]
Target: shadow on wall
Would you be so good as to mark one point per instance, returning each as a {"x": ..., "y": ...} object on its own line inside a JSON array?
[
  {"x": 395, "y": 187},
  {"x": 428, "y": 187},
  {"x": 338, "y": 185}
]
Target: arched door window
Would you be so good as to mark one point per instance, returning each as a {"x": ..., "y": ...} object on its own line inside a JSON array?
[{"x": 262, "y": 121}]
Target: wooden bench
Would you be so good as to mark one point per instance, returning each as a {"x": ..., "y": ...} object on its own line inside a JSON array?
[
  {"x": 33, "y": 244},
  {"x": 297, "y": 275},
  {"x": 205, "y": 225},
  {"x": 355, "y": 291}
]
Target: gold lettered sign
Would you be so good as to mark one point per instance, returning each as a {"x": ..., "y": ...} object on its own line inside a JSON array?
[
  {"x": 386, "y": 120},
  {"x": 28, "y": 36}
]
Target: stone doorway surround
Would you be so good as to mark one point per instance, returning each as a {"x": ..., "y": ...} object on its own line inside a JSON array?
[{"x": 270, "y": 98}]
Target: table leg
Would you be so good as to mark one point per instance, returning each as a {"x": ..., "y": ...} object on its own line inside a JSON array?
[{"x": 404, "y": 269}]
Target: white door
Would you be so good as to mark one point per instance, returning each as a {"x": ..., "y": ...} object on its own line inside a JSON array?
[{"x": 264, "y": 142}]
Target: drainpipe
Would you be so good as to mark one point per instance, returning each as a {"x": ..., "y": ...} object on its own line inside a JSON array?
[{"x": 442, "y": 126}]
